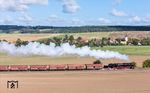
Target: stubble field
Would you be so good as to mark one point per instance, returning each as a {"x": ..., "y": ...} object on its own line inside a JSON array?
[
  {"x": 31, "y": 60},
  {"x": 132, "y": 81}
]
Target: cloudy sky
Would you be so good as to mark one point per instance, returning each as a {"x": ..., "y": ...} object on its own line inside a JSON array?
[{"x": 74, "y": 12}]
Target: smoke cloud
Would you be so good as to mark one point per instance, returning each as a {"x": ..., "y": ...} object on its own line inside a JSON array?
[{"x": 35, "y": 48}]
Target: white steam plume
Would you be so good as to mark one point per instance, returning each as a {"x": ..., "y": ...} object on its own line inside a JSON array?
[{"x": 34, "y": 48}]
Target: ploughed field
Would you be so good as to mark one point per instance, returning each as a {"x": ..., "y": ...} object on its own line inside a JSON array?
[{"x": 129, "y": 81}]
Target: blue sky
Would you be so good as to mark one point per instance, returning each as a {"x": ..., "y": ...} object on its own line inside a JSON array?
[{"x": 74, "y": 12}]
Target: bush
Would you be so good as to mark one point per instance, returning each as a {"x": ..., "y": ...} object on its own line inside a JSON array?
[
  {"x": 146, "y": 63},
  {"x": 19, "y": 42},
  {"x": 145, "y": 41},
  {"x": 135, "y": 41},
  {"x": 97, "y": 62},
  {"x": 134, "y": 64},
  {"x": 104, "y": 41}
]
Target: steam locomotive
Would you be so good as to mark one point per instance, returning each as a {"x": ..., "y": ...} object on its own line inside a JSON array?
[{"x": 120, "y": 66}]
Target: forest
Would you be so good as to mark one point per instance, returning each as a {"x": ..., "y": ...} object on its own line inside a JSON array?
[{"x": 74, "y": 29}]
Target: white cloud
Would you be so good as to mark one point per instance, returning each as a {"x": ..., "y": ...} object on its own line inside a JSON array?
[
  {"x": 104, "y": 20},
  {"x": 118, "y": 1},
  {"x": 77, "y": 22},
  {"x": 136, "y": 19},
  {"x": 31, "y": 2},
  {"x": 70, "y": 6},
  {"x": 25, "y": 18},
  {"x": 58, "y": 20},
  {"x": 146, "y": 19},
  {"x": 115, "y": 12},
  {"x": 55, "y": 18},
  {"x": 19, "y": 5},
  {"x": 7, "y": 20},
  {"x": 140, "y": 20},
  {"x": 12, "y": 5}
]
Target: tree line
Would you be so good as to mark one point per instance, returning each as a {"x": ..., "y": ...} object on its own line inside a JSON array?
[
  {"x": 75, "y": 29},
  {"x": 94, "y": 42}
]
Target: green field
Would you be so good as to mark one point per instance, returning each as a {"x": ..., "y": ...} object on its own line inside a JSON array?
[{"x": 130, "y": 50}]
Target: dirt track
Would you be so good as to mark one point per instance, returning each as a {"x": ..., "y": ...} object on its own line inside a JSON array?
[{"x": 136, "y": 81}]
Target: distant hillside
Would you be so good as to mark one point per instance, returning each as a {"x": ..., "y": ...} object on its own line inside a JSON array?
[{"x": 52, "y": 29}]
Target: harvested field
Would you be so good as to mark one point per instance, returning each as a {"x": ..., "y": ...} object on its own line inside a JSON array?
[
  {"x": 130, "y": 34},
  {"x": 90, "y": 35},
  {"x": 8, "y": 60},
  {"x": 132, "y": 81},
  {"x": 87, "y": 35},
  {"x": 25, "y": 37},
  {"x": 31, "y": 37},
  {"x": 113, "y": 34}
]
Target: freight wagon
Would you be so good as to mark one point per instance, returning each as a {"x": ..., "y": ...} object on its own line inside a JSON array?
[
  {"x": 39, "y": 67},
  {"x": 57, "y": 67},
  {"x": 4, "y": 67},
  {"x": 18, "y": 67},
  {"x": 76, "y": 67},
  {"x": 93, "y": 66}
]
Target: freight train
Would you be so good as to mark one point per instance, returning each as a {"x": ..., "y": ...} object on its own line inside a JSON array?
[{"x": 66, "y": 67}]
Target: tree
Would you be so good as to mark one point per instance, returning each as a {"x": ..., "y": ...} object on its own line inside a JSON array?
[
  {"x": 134, "y": 64},
  {"x": 145, "y": 41},
  {"x": 57, "y": 41},
  {"x": 90, "y": 43},
  {"x": 118, "y": 41},
  {"x": 65, "y": 39},
  {"x": 146, "y": 63},
  {"x": 25, "y": 42},
  {"x": 71, "y": 39},
  {"x": 4, "y": 40},
  {"x": 135, "y": 41},
  {"x": 18, "y": 42},
  {"x": 79, "y": 39},
  {"x": 104, "y": 41}
]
